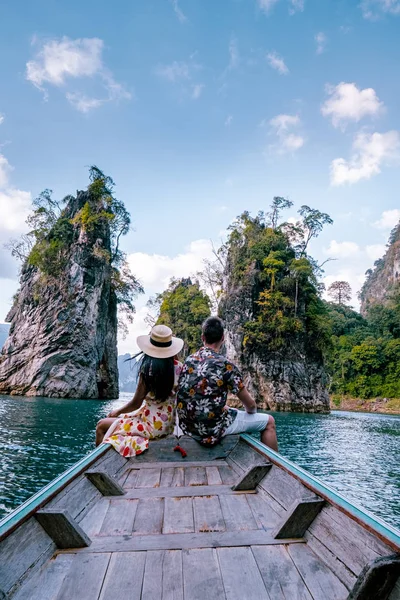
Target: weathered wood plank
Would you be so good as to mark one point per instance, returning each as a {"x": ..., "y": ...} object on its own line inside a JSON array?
[
  {"x": 346, "y": 576},
  {"x": 119, "y": 518},
  {"x": 79, "y": 500},
  {"x": 178, "y": 515},
  {"x": 182, "y": 541},
  {"x": 170, "y": 464},
  {"x": 62, "y": 528},
  {"x": 213, "y": 476},
  {"x": 148, "y": 478},
  {"x": 208, "y": 514},
  {"x": 149, "y": 516},
  {"x": 227, "y": 475},
  {"x": 298, "y": 518},
  {"x": 46, "y": 583},
  {"x": 179, "y": 477},
  {"x": 395, "y": 595},
  {"x": 172, "y": 576},
  {"x": 124, "y": 576},
  {"x": 167, "y": 475},
  {"x": 263, "y": 511},
  {"x": 252, "y": 477},
  {"x": 162, "y": 450},
  {"x": 321, "y": 582},
  {"x": 152, "y": 581},
  {"x": 377, "y": 580},
  {"x": 280, "y": 576},
  {"x": 195, "y": 476},
  {"x": 131, "y": 480},
  {"x": 85, "y": 577},
  {"x": 285, "y": 488},
  {"x": 105, "y": 483},
  {"x": 237, "y": 513},
  {"x": 27, "y": 547},
  {"x": 92, "y": 522},
  {"x": 201, "y": 575},
  {"x": 169, "y": 492},
  {"x": 244, "y": 456},
  {"x": 240, "y": 574}
]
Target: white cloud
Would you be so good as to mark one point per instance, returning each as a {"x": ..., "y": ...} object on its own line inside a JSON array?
[
  {"x": 267, "y": 5},
  {"x": 228, "y": 120},
  {"x": 373, "y": 9},
  {"x": 1, "y": 118},
  {"x": 60, "y": 60},
  {"x": 233, "y": 53},
  {"x": 174, "y": 72},
  {"x": 5, "y": 169},
  {"x": 342, "y": 249},
  {"x": 181, "y": 17},
  {"x": 276, "y": 62},
  {"x": 348, "y": 103},
  {"x": 376, "y": 251},
  {"x": 197, "y": 90},
  {"x": 389, "y": 219},
  {"x": 15, "y": 206},
  {"x": 370, "y": 153},
  {"x": 321, "y": 40},
  {"x": 288, "y": 141}
]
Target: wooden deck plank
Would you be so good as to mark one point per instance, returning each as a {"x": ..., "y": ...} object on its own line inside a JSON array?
[
  {"x": 195, "y": 476},
  {"x": 325, "y": 554},
  {"x": 85, "y": 577},
  {"x": 213, "y": 476},
  {"x": 148, "y": 478},
  {"x": 237, "y": 513},
  {"x": 202, "y": 578},
  {"x": 119, "y": 517},
  {"x": 321, "y": 582},
  {"x": 152, "y": 580},
  {"x": 167, "y": 475},
  {"x": 280, "y": 576},
  {"x": 92, "y": 522},
  {"x": 172, "y": 576},
  {"x": 46, "y": 583},
  {"x": 263, "y": 512},
  {"x": 178, "y": 479},
  {"x": 169, "y": 492},
  {"x": 149, "y": 516},
  {"x": 181, "y": 541},
  {"x": 131, "y": 480},
  {"x": 169, "y": 464},
  {"x": 227, "y": 475},
  {"x": 124, "y": 576},
  {"x": 240, "y": 574},
  {"x": 162, "y": 450},
  {"x": 178, "y": 515},
  {"x": 208, "y": 514}
]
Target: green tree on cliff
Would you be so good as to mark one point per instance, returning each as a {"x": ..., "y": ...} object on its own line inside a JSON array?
[{"x": 183, "y": 307}]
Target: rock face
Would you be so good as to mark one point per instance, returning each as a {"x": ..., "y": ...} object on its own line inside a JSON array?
[
  {"x": 384, "y": 277},
  {"x": 63, "y": 335},
  {"x": 294, "y": 381}
]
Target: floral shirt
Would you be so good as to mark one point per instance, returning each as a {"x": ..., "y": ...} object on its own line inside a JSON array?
[{"x": 205, "y": 381}]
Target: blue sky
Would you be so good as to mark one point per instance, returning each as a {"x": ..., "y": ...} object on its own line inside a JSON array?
[{"x": 201, "y": 109}]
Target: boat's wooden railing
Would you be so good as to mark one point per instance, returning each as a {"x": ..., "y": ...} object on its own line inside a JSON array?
[{"x": 375, "y": 525}]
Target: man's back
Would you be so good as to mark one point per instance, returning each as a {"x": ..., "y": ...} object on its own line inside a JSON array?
[{"x": 206, "y": 379}]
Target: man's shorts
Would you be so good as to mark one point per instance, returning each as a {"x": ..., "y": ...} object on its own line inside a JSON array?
[{"x": 245, "y": 423}]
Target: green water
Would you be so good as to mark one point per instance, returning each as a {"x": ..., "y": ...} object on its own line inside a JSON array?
[{"x": 357, "y": 453}]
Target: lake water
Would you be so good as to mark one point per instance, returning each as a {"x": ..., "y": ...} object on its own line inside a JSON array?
[{"x": 356, "y": 453}]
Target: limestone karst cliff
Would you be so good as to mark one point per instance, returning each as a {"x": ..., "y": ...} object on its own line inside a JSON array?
[
  {"x": 63, "y": 335},
  {"x": 382, "y": 280},
  {"x": 274, "y": 318}
]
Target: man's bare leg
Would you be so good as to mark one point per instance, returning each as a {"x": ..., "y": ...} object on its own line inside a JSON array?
[
  {"x": 268, "y": 436},
  {"x": 101, "y": 429}
]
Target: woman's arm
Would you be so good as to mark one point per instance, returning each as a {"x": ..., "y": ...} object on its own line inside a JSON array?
[{"x": 133, "y": 404}]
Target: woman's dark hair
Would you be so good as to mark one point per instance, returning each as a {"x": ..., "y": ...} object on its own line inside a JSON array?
[{"x": 158, "y": 375}]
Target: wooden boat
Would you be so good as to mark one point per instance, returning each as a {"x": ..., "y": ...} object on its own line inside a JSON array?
[{"x": 236, "y": 521}]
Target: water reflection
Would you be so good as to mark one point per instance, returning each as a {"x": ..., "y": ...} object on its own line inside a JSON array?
[{"x": 356, "y": 453}]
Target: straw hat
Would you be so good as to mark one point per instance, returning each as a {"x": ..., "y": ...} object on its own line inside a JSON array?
[{"x": 160, "y": 343}]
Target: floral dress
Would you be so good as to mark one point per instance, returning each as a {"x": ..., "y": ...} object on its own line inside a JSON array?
[{"x": 130, "y": 434}]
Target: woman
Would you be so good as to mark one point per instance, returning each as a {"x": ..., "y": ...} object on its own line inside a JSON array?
[{"x": 151, "y": 412}]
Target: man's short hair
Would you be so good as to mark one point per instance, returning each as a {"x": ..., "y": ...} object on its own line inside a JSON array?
[{"x": 213, "y": 330}]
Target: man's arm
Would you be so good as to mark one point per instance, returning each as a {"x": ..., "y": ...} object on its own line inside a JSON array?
[{"x": 248, "y": 402}]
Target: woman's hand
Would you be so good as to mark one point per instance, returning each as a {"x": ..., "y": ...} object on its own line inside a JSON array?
[{"x": 114, "y": 413}]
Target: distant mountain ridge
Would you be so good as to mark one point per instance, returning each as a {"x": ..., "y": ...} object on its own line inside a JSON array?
[
  {"x": 128, "y": 373},
  {"x": 384, "y": 277}
]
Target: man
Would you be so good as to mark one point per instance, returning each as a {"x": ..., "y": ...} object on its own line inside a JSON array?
[{"x": 206, "y": 379}]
